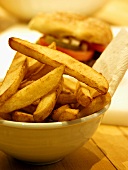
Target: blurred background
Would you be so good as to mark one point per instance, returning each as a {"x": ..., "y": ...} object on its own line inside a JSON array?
[{"x": 114, "y": 12}]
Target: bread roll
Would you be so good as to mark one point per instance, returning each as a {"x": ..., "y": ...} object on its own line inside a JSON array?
[{"x": 62, "y": 25}]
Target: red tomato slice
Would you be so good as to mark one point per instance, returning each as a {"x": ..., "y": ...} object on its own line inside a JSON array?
[
  {"x": 79, "y": 55},
  {"x": 42, "y": 41},
  {"x": 97, "y": 47}
]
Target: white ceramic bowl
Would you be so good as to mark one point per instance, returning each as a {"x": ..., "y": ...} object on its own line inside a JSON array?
[
  {"x": 47, "y": 142},
  {"x": 25, "y": 10}
]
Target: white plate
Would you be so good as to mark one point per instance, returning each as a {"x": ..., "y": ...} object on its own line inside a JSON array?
[{"x": 118, "y": 111}]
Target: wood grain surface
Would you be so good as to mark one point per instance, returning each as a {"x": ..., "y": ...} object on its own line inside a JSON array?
[{"x": 107, "y": 150}]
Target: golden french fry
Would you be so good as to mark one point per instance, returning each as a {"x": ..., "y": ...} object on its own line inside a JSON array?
[
  {"x": 70, "y": 84},
  {"x": 56, "y": 113},
  {"x": 22, "y": 117},
  {"x": 35, "y": 103},
  {"x": 47, "y": 104},
  {"x": 52, "y": 45},
  {"x": 24, "y": 84},
  {"x": 35, "y": 66},
  {"x": 93, "y": 92},
  {"x": 37, "y": 75},
  {"x": 66, "y": 98},
  {"x": 55, "y": 58},
  {"x": 29, "y": 109},
  {"x": 33, "y": 92},
  {"x": 83, "y": 96},
  {"x": 0, "y": 83},
  {"x": 74, "y": 105},
  {"x": 66, "y": 91},
  {"x": 68, "y": 115},
  {"x": 97, "y": 104},
  {"x": 13, "y": 78},
  {"x": 46, "y": 69}
]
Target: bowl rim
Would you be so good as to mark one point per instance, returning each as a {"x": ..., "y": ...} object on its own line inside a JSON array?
[{"x": 53, "y": 125}]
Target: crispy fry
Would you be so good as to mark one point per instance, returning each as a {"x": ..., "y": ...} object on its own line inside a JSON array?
[
  {"x": 66, "y": 98},
  {"x": 74, "y": 105},
  {"x": 35, "y": 103},
  {"x": 42, "y": 72},
  {"x": 47, "y": 104},
  {"x": 24, "y": 84},
  {"x": 52, "y": 45},
  {"x": 35, "y": 66},
  {"x": 97, "y": 104},
  {"x": 69, "y": 114},
  {"x": 55, "y": 58},
  {"x": 46, "y": 69},
  {"x": 83, "y": 96},
  {"x": 70, "y": 84},
  {"x": 33, "y": 92},
  {"x": 29, "y": 109},
  {"x": 13, "y": 78},
  {"x": 22, "y": 117},
  {"x": 56, "y": 113},
  {"x": 34, "y": 89},
  {"x": 93, "y": 92}
]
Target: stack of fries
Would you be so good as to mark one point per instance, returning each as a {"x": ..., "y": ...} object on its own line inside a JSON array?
[{"x": 36, "y": 87}]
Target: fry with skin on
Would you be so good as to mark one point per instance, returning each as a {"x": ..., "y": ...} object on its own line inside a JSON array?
[
  {"x": 93, "y": 92},
  {"x": 56, "y": 113},
  {"x": 55, "y": 58},
  {"x": 35, "y": 103},
  {"x": 22, "y": 117},
  {"x": 70, "y": 84},
  {"x": 35, "y": 67},
  {"x": 52, "y": 45},
  {"x": 97, "y": 104},
  {"x": 83, "y": 95},
  {"x": 68, "y": 115},
  {"x": 29, "y": 109},
  {"x": 24, "y": 84},
  {"x": 46, "y": 104},
  {"x": 74, "y": 105},
  {"x": 38, "y": 93},
  {"x": 43, "y": 71},
  {"x": 66, "y": 98},
  {"x": 13, "y": 77},
  {"x": 67, "y": 95},
  {"x": 33, "y": 92}
]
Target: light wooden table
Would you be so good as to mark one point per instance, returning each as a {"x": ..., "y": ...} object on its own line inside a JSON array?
[{"x": 107, "y": 150}]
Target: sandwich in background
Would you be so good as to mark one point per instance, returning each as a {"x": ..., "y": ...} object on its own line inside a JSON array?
[{"x": 83, "y": 38}]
